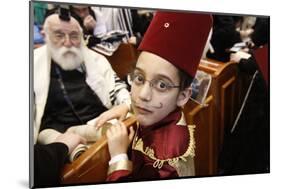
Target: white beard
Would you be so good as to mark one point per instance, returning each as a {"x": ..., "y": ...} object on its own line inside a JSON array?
[{"x": 66, "y": 58}]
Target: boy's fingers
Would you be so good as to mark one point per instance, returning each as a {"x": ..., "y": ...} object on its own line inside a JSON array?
[{"x": 123, "y": 128}]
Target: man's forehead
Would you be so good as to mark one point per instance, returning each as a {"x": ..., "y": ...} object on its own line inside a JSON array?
[{"x": 66, "y": 27}]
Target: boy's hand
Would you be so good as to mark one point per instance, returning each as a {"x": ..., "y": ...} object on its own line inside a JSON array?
[
  {"x": 118, "y": 139},
  {"x": 119, "y": 112}
]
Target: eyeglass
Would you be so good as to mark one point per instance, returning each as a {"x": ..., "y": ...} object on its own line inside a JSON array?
[
  {"x": 158, "y": 84},
  {"x": 74, "y": 37}
]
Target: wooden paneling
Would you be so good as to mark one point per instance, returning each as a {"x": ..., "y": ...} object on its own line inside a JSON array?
[
  {"x": 202, "y": 117},
  {"x": 224, "y": 99},
  {"x": 123, "y": 59},
  {"x": 224, "y": 88}
]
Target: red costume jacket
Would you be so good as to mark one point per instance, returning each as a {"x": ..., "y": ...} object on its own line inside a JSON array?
[{"x": 162, "y": 150}]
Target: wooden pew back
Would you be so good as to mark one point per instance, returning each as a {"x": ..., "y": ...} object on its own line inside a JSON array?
[
  {"x": 123, "y": 60},
  {"x": 223, "y": 102}
]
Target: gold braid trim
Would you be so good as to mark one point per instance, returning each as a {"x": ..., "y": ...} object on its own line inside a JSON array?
[
  {"x": 120, "y": 165},
  {"x": 158, "y": 163}
]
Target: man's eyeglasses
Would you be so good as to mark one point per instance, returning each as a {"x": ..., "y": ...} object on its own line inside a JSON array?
[
  {"x": 159, "y": 85},
  {"x": 74, "y": 37}
]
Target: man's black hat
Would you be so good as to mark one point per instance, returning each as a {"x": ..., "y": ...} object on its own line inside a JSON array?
[{"x": 64, "y": 13}]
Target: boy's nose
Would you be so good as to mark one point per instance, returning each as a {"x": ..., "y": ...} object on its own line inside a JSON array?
[{"x": 145, "y": 92}]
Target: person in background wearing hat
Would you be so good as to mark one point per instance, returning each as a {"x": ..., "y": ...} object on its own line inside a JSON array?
[
  {"x": 90, "y": 20},
  {"x": 72, "y": 84},
  {"x": 163, "y": 145},
  {"x": 224, "y": 36}
]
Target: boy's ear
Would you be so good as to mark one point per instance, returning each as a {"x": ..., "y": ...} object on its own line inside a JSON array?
[{"x": 183, "y": 97}]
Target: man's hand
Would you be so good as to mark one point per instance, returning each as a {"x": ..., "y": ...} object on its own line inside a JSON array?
[
  {"x": 118, "y": 139},
  {"x": 117, "y": 112},
  {"x": 70, "y": 140},
  {"x": 234, "y": 57},
  {"x": 89, "y": 22}
]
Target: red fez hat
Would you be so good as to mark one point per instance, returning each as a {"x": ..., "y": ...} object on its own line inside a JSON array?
[{"x": 178, "y": 37}]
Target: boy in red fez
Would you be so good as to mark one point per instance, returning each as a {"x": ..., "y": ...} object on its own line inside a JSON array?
[{"x": 163, "y": 144}]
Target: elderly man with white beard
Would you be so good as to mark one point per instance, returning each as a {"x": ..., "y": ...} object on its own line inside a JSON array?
[{"x": 72, "y": 84}]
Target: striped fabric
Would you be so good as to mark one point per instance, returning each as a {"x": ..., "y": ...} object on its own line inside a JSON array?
[
  {"x": 118, "y": 86},
  {"x": 125, "y": 21},
  {"x": 117, "y": 19}
]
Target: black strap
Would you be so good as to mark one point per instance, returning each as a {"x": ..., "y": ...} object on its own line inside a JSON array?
[{"x": 65, "y": 94}]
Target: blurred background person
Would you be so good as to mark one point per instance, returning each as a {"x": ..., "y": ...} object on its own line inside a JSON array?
[
  {"x": 246, "y": 146},
  {"x": 133, "y": 21},
  {"x": 90, "y": 20},
  {"x": 226, "y": 33}
]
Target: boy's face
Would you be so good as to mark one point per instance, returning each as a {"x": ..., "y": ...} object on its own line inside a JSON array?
[{"x": 150, "y": 103}]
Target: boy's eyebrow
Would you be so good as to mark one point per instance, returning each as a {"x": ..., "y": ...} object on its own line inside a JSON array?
[
  {"x": 158, "y": 75},
  {"x": 165, "y": 77}
]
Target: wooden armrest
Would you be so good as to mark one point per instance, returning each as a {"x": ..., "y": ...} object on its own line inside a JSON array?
[{"x": 92, "y": 165}]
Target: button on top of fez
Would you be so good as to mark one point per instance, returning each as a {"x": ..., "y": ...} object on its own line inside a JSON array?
[{"x": 166, "y": 25}]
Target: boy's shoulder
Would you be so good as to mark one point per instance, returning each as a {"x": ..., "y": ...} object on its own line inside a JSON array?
[{"x": 174, "y": 141}]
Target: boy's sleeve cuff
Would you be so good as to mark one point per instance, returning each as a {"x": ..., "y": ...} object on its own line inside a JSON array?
[
  {"x": 120, "y": 165},
  {"x": 117, "y": 158}
]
